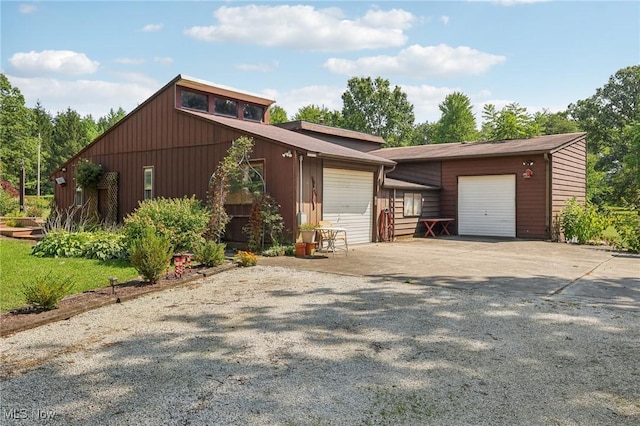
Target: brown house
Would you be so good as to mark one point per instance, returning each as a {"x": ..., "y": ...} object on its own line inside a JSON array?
[
  {"x": 170, "y": 145},
  {"x": 513, "y": 188}
]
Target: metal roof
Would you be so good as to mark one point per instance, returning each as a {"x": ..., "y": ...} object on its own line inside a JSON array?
[
  {"x": 537, "y": 145},
  {"x": 299, "y": 141}
]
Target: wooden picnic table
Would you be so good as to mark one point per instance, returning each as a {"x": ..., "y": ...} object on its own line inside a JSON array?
[{"x": 431, "y": 222}]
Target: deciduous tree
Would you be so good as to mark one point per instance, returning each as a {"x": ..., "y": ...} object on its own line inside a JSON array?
[
  {"x": 457, "y": 123},
  {"x": 371, "y": 106},
  {"x": 277, "y": 115},
  {"x": 320, "y": 115}
]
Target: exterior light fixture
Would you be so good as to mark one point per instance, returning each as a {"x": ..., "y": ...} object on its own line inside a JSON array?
[{"x": 287, "y": 154}]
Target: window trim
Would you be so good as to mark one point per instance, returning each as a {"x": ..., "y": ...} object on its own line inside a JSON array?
[
  {"x": 144, "y": 182},
  {"x": 415, "y": 196},
  {"x": 195, "y": 92}
]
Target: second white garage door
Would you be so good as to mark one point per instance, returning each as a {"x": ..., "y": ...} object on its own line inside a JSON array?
[
  {"x": 346, "y": 202},
  {"x": 487, "y": 205}
]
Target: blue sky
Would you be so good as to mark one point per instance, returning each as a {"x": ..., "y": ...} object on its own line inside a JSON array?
[{"x": 93, "y": 56}]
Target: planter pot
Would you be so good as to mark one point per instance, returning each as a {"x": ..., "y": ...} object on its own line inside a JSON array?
[
  {"x": 310, "y": 249},
  {"x": 301, "y": 249},
  {"x": 308, "y": 236}
]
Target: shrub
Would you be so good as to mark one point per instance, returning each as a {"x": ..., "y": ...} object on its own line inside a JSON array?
[
  {"x": 45, "y": 291},
  {"x": 209, "y": 253},
  {"x": 104, "y": 245},
  {"x": 61, "y": 244},
  {"x": 181, "y": 220},
  {"x": 150, "y": 254},
  {"x": 264, "y": 221},
  {"x": 274, "y": 251},
  {"x": 582, "y": 222},
  {"x": 8, "y": 203},
  {"x": 245, "y": 258},
  {"x": 627, "y": 225}
]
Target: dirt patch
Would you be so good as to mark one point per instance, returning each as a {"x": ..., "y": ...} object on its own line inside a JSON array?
[{"x": 27, "y": 317}]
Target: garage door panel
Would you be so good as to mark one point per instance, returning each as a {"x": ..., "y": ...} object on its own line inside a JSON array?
[
  {"x": 347, "y": 202},
  {"x": 486, "y": 205}
]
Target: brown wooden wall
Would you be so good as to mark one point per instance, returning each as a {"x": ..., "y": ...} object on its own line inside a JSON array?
[
  {"x": 568, "y": 176},
  {"x": 531, "y": 194},
  {"x": 404, "y": 226},
  {"x": 426, "y": 173},
  {"x": 184, "y": 151}
]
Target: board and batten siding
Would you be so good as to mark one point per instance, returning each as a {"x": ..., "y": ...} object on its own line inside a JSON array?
[
  {"x": 531, "y": 197},
  {"x": 184, "y": 151},
  {"x": 568, "y": 176}
]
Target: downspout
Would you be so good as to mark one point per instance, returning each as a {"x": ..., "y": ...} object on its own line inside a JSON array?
[
  {"x": 547, "y": 196},
  {"x": 300, "y": 183}
]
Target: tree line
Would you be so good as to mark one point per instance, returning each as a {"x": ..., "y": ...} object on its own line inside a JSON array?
[
  {"x": 611, "y": 118},
  {"x": 24, "y": 131}
]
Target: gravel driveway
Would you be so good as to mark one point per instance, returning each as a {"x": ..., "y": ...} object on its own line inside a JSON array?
[{"x": 272, "y": 345}]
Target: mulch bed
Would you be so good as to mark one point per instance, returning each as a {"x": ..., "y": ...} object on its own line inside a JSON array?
[{"x": 24, "y": 318}]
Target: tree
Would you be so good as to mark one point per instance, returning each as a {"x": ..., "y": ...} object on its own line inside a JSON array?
[
  {"x": 371, "y": 106},
  {"x": 112, "y": 117},
  {"x": 69, "y": 136},
  {"x": 277, "y": 115},
  {"x": 457, "y": 123},
  {"x": 608, "y": 117},
  {"x": 320, "y": 115},
  {"x": 512, "y": 122},
  {"x": 17, "y": 143},
  {"x": 43, "y": 131},
  {"x": 555, "y": 123}
]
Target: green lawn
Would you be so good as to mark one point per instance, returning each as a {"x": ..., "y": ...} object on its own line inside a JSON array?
[{"x": 18, "y": 266}]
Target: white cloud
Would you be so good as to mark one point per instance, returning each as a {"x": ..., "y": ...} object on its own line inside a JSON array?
[
  {"x": 27, "y": 8},
  {"x": 93, "y": 97},
  {"x": 130, "y": 61},
  {"x": 163, "y": 60},
  {"x": 151, "y": 27},
  {"x": 419, "y": 62},
  {"x": 305, "y": 27},
  {"x": 63, "y": 62},
  {"x": 259, "y": 67},
  {"x": 514, "y": 2},
  {"x": 444, "y": 19},
  {"x": 292, "y": 100},
  {"x": 425, "y": 100}
]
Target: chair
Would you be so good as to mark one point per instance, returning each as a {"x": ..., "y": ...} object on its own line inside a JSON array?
[{"x": 323, "y": 236}]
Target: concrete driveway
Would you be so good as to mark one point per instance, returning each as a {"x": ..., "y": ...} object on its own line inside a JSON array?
[{"x": 561, "y": 272}]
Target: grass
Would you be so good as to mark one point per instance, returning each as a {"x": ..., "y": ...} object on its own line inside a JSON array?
[{"x": 17, "y": 267}]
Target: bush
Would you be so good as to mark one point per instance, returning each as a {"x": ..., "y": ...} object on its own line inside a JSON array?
[
  {"x": 209, "y": 253},
  {"x": 8, "y": 203},
  {"x": 181, "y": 220},
  {"x": 150, "y": 255},
  {"x": 627, "y": 225},
  {"x": 61, "y": 244},
  {"x": 104, "y": 245},
  {"x": 582, "y": 222},
  {"x": 45, "y": 291},
  {"x": 88, "y": 174},
  {"x": 275, "y": 251},
  {"x": 245, "y": 258}
]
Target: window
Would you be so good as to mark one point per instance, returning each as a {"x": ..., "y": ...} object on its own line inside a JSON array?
[
  {"x": 194, "y": 100},
  {"x": 252, "y": 112},
  {"x": 412, "y": 203},
  {"x": 78, "y": 197},
  {"x": 251, "y": 184},
  {"x": 226, "y": 107},
  {"x": 148, "y": 183}
]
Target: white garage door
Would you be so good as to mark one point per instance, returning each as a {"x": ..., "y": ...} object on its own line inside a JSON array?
[
  {"x": 346, "y": 202},
  {"x": 487, "y": 205}
]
